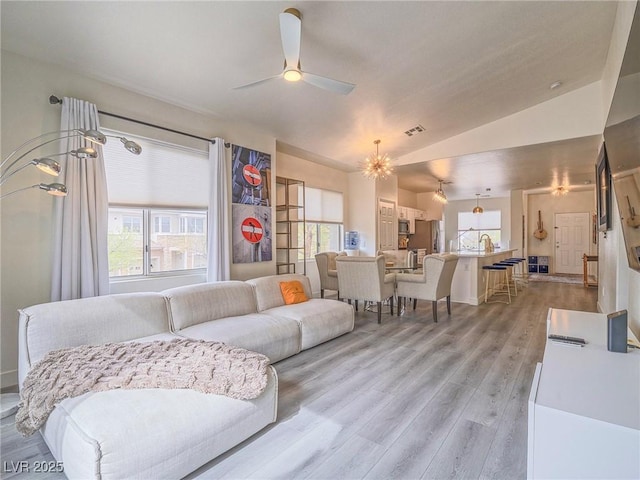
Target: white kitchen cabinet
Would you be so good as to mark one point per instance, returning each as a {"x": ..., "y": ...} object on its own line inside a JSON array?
[
  {"x": 412, "y": 220},
  {"x": 402, "y": 213},
  {"x": 584, "y": 405}
]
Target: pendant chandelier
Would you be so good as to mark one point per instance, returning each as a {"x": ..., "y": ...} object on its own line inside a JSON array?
[
  {"x": 439, "y": 194},
  {"x": 377, "y": 166},
  {"x": 478, "y": 208},
  {"x": 560, "y": 191}
]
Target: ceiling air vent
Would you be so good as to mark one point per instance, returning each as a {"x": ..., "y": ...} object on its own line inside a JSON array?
[{"x": 414, "y": 131}]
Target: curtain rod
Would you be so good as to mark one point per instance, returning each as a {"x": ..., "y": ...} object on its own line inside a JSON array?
[{"x": 53, "y": 100}]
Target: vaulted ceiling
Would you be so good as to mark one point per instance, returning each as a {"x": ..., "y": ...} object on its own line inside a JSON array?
[{"x": 449, "y": 67}]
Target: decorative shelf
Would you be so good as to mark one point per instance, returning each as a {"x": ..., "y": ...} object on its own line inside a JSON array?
[{"x": 290, "y": 215}]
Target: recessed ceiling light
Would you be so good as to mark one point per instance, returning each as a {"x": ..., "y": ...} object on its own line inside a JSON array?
[
  {"x": 538, "y": 183},
  {"x": 555, "y": 85},
  {"x": 587, "y": 182}
]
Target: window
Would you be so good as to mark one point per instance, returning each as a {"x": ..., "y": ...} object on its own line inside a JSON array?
[
  {"x": 472, "y": 226},
  {"x": 146, "y": 237},
  {"x": 320, "y": 237},
  {"x": 167, "y": 250},
  {"x": 132, "y": 224},
  {"x": 191, "y": 224},
  {"x": 323, "y": 229},
  {"x": 161, "y": 224}
]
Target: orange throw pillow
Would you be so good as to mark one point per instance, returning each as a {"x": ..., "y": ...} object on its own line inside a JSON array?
[{"x": 293, "y": 292}]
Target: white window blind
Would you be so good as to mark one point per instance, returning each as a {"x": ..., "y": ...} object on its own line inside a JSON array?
[
  {"x": 323, "y": 205},
  {"x": 163, "y": 174},
  {"x": 489, "y": 220}
]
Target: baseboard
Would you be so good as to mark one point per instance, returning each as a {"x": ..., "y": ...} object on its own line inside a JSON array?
[{"x": 8, "y": 379}]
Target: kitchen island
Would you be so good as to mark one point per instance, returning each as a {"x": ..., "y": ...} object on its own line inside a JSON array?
[{"x": 468, "y": 279}]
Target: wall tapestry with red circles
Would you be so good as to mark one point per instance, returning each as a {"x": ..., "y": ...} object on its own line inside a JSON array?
[{"x": 251, "y": 205}]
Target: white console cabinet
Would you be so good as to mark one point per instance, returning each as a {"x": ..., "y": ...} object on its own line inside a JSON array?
[{"x": 584, "y": 406}]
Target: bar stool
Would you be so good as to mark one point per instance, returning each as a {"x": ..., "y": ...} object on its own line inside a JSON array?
[
  {"x": 521, "y": 274},
  {"x": 511, "y": 283},
  {"x": 494, "y": 272}
]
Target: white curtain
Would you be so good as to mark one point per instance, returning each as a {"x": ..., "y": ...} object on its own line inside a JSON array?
[
  {"x": 80, "y": 257},
  {"x": 219, "y": 263}
]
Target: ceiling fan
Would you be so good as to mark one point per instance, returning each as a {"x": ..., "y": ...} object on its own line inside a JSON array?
[{"x": 290, "y": 33}]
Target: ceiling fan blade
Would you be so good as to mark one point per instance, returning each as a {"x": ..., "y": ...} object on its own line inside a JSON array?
[
  {"x": 258, "y": 82},
  {"x": 336, "y": 86},
  {"x": 290, "y": 33}
]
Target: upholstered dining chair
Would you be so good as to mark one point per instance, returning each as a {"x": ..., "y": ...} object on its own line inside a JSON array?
[
  {"x": 326, "y": 262},
  {"x": 432, "y": 284},
  {"x": 364, "y": 278},
  {"x": 396, "y": 257}
]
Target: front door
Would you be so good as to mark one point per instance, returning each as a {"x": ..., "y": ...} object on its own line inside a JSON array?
[
  {"x": 572, "y": 241},
  {"x": 387, "y": 225}
]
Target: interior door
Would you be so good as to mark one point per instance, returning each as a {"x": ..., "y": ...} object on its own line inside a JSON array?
[
  {"x": 572, "y": 241},
  {"x": 387, "y": 226}
]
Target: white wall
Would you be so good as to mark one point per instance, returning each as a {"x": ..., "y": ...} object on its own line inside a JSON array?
[
  {"x": 362, "y": 211},
  {"x": 618, "y": 285},
  {"x": 433, "y": 208},
  {"x": 316, "y": 176},
  {"x": 582, "y": 201},
  {"x": 26, "y": 229},
  {"x": 407, "y": 198},
  {"x": 517, "y": 214}
]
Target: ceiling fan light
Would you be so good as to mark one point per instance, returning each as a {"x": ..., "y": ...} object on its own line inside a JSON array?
[{"x": 292, "y": 75}]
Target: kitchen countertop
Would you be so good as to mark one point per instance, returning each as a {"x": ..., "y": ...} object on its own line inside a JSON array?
[{"x": 482, "y": 254}]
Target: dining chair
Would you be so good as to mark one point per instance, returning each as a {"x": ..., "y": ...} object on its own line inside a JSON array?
[
  {"x": 432, "y": 284},
  {"x": 326, "y": 263},
  {"x": 364, "y": 278}
]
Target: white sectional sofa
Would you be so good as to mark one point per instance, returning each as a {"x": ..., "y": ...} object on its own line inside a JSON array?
[{"x": 156, "y": 433}]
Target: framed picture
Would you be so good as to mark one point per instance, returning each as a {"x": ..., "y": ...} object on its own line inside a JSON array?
[{"x": 603, "y": 185}]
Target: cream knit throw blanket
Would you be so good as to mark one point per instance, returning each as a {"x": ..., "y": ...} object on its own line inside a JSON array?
[{"x": 208, "y": 367}]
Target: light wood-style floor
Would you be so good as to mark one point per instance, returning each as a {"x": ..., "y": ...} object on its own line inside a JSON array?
[{"x": 407, "y": 399}]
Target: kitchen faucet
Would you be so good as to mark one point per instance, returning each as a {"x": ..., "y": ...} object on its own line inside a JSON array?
[{"x": 488, "y": 244}]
